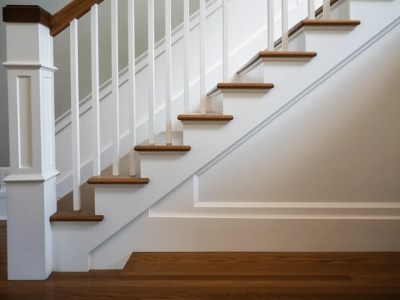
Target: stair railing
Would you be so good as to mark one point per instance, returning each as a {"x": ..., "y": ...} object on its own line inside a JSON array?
[{"x": 68, "y": 17}]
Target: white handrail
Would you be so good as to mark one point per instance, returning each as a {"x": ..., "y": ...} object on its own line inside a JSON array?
[
  {"x": 202, "y": 56},
  {"x": 76, "y": 161},
  {"x": 168, "y": 74},
  {"x": 150, "y": 67},
  {"x": 94, "y": 16},
  {"x": 132, "y": 86},
  {"x": 115, "y": 85}
]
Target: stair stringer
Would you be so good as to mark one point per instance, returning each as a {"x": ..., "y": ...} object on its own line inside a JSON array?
[
  {"x": 122, "y": 205},
  {"x": 223, "y": 208}
]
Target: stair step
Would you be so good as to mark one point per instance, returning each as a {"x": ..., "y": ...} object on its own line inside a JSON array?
[
  {"x": 163, "y": 148},
  {"x": 278, "y": 55},
  {"x": 65, "y": 212},
  {"x": 241, "y": 87},
  {"x": 76, "y": 217},
  {"x": 118, "y": 180},
  {"x": 205, "y": 118},
  {"x": 340, "y": 23}
]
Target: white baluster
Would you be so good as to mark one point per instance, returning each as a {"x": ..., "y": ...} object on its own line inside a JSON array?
[
  {"x": 168, "y": 75},
  {"x": 186, "y": 36},
  {"x": 95, "y": 89},
  {"x": 271, "y": 21},
  {"x": 76, "y": 161},
  {"x": 285, "y": 26},
  {"x": 150, "y": 66},
  {"x": 311, "y": 9},
  {"x": 132, "y": 85},
  {"x": 327, "y": 9},
  {"x": 202, "y": 57},
  {"x": 115, "y": 85},
  {"x": 225, "y": 41}
]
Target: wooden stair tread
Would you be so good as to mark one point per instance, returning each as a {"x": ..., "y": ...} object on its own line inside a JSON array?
[
  {"x": 126, "y": 180},
  {"x": 330, "y": 22},
  {"x": 65, "y": 210},
  {"x": 241, "y": 86},
  {"x": 162, "y": 148},
  {"x": 75, "y": 217},
  {"x": 205, "y": 117},
  {"x": 245, "y": 85},
  {"x": 289, "y": 55}
]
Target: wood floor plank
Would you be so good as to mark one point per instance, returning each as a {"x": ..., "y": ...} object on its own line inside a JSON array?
[{"x": 221, "y": 276}]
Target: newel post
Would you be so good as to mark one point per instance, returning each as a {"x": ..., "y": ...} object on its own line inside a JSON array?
[{"x": 31, "y": 185}]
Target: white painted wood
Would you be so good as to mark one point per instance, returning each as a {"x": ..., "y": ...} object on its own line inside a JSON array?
[
  {"x": 326, "y": 9},
  {"x": 31, "y": 181},
  {"x": 225, "y": 46},
  {"x": 203, "y": 95},
  {"x": 132, "y": 86},
  {"x": 95, "y": 89},
  {"x": 285, "y": 25},
  {"x": 115, "y": 85},
  {"x": 76, "y": 160},
  {"x": 151, "y": 75},
  {"x": 189, "y": 164},
  {"x": 168, "y": 74},
  {"x": 186, "y": 46},
  {"x": 311, "y": 9},
  {"x": 271, "y": 21}
]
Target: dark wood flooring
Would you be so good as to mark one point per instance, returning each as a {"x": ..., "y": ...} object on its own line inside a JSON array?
[{"x": 221, "y": 276}]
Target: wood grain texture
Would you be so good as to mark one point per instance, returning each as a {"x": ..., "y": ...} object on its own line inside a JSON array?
[
  {"x": 282, "y": 55},
  {"x": 331, "y": 23},
  {"x": 205, "y": 117},
  {"x": 162, "y": 148},
  {"x": 221, "y": 276},
  {"x": 26, "y": 14},
  {"x": 125, "y": 180},
  {"x": 73, "y": 10},
  {"x": 65, "y": 210},
  {"x": 245, "y": 86}
]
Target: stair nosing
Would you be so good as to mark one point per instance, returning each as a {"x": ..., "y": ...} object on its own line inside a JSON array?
[
  {"x": 205, "y": 117},
  {"x": 278, "y": 55},
  {"x": 75, "y": 217},
  {"x": 162, "y": 148},
  {"x": 117, "y": 180}
]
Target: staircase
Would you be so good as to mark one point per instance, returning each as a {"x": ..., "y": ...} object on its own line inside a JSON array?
[{"x": 284, "y": 156}]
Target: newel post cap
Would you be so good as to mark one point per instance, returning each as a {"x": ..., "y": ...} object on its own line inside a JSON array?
[{"x": 26, "y": 14}]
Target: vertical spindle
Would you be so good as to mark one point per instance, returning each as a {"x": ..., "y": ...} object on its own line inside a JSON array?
[
  {"x": 311, "y": 9},
  {"x": 285, "y": 25},
  {"x": 150, "y": 66},
  {"x": 76, "y": 161},
  {"x": 132, "y": 86},
  {"x": 168, "y": 75},
  {"x": 186, "y": 36},
  {"x": 115, "y": 85},
  {"x": 327, "y": 9},
  {"x": 225, "y": 41},
  {"x": 271, "y": 22},
  {"x": 95, "y": 88},
  {"x": 202, "y": 57}
]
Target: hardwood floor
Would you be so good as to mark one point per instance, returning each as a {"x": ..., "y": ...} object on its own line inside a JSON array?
[{"x": 221, "y": 276}]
